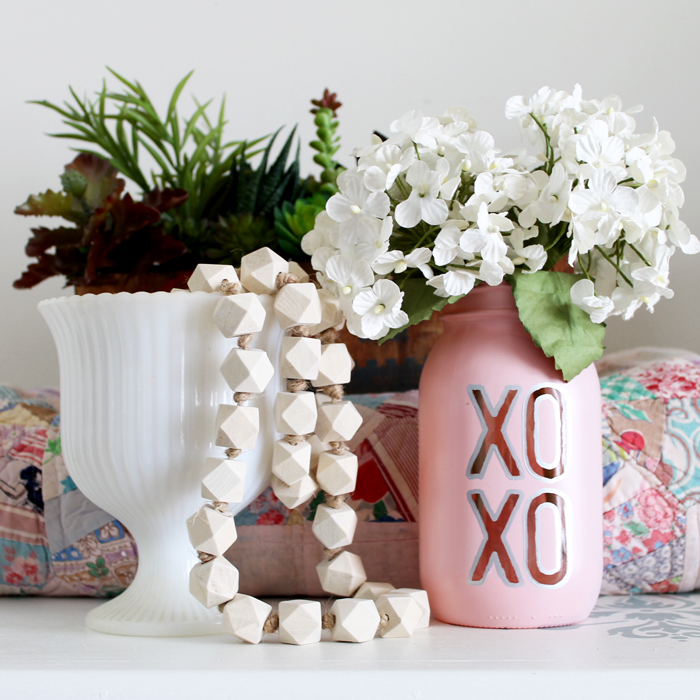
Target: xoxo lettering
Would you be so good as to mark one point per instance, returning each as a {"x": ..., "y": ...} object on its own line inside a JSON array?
[{"x": 494, "y": 441}]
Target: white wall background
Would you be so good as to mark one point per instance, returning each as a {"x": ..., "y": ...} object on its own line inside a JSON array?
[{"x": 383, "y": 57}]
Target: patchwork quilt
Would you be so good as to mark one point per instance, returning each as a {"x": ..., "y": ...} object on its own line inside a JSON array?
[{"x": 53, "y": 541}]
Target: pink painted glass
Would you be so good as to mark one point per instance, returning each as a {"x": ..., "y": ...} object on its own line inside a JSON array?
[{"x": 510, "y": 475}]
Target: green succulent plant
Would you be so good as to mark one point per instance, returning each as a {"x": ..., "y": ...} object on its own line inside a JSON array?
[{"x": 213, "y": 204}]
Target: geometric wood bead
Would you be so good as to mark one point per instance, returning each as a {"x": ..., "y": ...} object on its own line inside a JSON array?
[
  {"x": 224, "y": 480},
  {"x": 294, "y": 495},
  {"x": 331, "y": 315},
  {"x": 372, "y": 590},
  {"x": 298, "y": 305},
  {"x": 208, "y": 278},
  {"x": 298, "y": 271},
  {"x": 245, "y": 617},
  {"x": 342, "y": 575},
  {"x": 300, "y": 358},
  {"x": 356, "y": 620},
  {"x": 335, "y": 365},
  {"x": 335, "y": 527},
  {"x": 211, "y": 531},
  {"x": 403, "y": 615},
  {"x": 300, "y": 621},
  {"x": 317, "y": 447},
  {"x": 421, "y": 597},
  {"x": 295, "y": 413},
  {"x": 337, "y": 422},
  {"x": 239, "y": 314},
  {"x": 291, "y": 463},
  {"x": 337, "y": 474},
  {"x": 214, "y": 582},
  {"x": 237, "y": 426},
  {"x": 247, "y": 370},
  {"x": 259, "y": 271}
]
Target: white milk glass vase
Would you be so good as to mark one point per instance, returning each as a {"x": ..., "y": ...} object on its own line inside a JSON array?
[{"x": 140, "y": 389}]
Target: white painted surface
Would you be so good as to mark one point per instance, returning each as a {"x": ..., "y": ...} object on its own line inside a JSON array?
[
  {"x": 383, "y": 58},
  {"x": 642, "y": 648}
]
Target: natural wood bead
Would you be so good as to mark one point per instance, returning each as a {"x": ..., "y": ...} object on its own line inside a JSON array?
[
  {"x": 239, "y": 314},
  {"x": 247, "y": 370},
  {"x": 211, "y": 531},
  {"x": 224, "y": 480},
  {"x": 337, "y": 474},
  {"x": 298, "y": 305},
  {"x": 298, "y": 271},
  {"x": 300, "y": 621},
  {"x": 335, "y": 527},
  {"x": 356, "y": 620},
  {"x": 337, "y": 422},
  {"x": 237, "y": 426},
  {"x": 331, "y": 315},
  {"x": 214, "y": 582},
  {"x": 300, "y": 357},
  {"x": 295, "y": 413},
  {"x": 421, "y": 597},
  {"x": 244, "y": 617},
  {"x": 317, "y": 447},
  {"x": 401, "y": 612},
  {"x": 259, "y": 271},
  {"x": 295, "y": 494},
  {"x": 371, "y": 590},
  {"x": 208, "y": 278},
  {"x": 291, "y": 463},
  {"x": 335, "y": 365},
  {"x": 342, "y": 575}
]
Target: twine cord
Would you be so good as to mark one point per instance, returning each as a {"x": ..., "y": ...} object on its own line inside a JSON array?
[
  {"x": 296, "y": 385},
  {"x": 233, "y": 452},
  {"x": 241, "y": 397},
  {"x": 329, "y": 336},
  {"x": 244, "y": 341},
  {"x": 272, "y": 624},
  {"x": 228, "y": 288},
  {"x": 335, "y": 392},
  {"x": 295, "y": 439},
  {"x": 336, "y": 501},
  {"x": 285, "y": 278},
  {"x": 204, "y": 557},
  {"x": 337, "y": 448},
  {"x": 328, "y": 621},
  {"x": 331, "y": 553}
]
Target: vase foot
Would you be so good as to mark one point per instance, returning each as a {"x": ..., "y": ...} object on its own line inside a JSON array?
[{"x": 132, "y": 615}]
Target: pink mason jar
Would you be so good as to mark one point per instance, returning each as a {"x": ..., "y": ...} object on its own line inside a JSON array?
[{"x": 510, "y": 474}]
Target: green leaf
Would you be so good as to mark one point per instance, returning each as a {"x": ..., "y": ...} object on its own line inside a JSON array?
[
  {"x": 49, "y": 203},
  {"x": 419, "y": 303},
  {"x": 556, "y": 325}
]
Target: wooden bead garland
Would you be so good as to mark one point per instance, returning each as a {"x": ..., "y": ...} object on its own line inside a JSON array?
[{"x": 310, "y": 355}]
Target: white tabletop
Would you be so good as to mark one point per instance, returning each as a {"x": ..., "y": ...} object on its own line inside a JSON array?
[{"x": 631, "y": 648}]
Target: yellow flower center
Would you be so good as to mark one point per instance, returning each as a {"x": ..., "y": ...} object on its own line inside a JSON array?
[
  {"x": 347, "y": 289},
  {"x": 379, "y": 308}
]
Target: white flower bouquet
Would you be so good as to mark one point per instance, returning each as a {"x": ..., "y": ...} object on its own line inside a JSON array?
[{"x": 435, "y": 209}]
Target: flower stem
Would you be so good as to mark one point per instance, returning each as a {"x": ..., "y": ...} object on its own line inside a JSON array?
[
  {"x": 616, "y": 266},
  {"x": 644, "y": 260}
]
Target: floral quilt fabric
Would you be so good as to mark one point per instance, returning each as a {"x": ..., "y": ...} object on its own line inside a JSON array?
[
  {"x": 53, "y": 541},
  {"x": 651, "y": 473}
]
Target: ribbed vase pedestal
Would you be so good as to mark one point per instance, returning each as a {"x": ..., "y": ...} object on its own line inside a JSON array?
[{"x": 140, "y": 388}]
